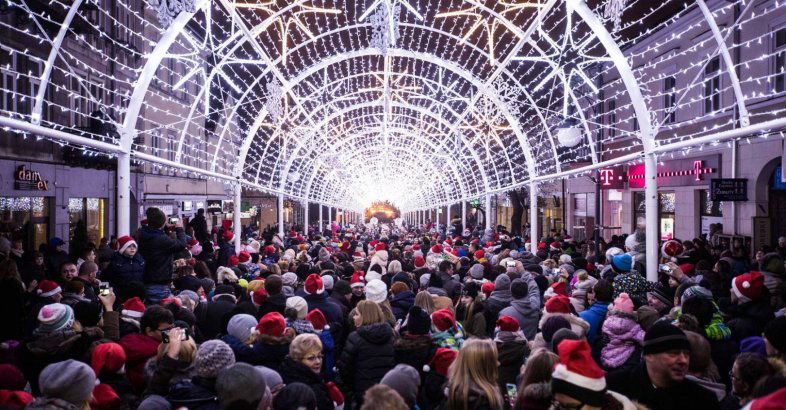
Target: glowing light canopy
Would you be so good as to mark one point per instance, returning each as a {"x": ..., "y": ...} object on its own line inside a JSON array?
[{"x": 418, "y": 103}]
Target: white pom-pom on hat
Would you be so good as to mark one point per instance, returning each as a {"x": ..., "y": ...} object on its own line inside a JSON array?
[{"x": 426, "y": 368}]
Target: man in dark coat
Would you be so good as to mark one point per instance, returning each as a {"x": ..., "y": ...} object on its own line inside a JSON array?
[
  {"x": 199, "y": 225},
  {"x": 56, "y": 256},
  {"x": 276, "y": 301},
  {"x": 158, "y": 248},
  {"x": 451, "y": 286},
  {"x": 660, "y": 382},
  {"x": 223, "y": 303}
]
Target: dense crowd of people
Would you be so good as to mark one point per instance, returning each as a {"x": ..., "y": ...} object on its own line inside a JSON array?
[{"x": 387, "y": 316}]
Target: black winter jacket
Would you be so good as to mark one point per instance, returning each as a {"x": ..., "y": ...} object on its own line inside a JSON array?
[
  {"x": 414, "y": 350},
  {"x": 122, "y": 270},
  {"x": 328, "y": 307},
  {"x": 195, "y": 394},
  {"x": 292, "y": 371},
  {"x": 367, "y": 356},
  {"x": 211, "y": 324},
  {"x": 749, "y": 319},
  {"x": 158, "y": 249}
]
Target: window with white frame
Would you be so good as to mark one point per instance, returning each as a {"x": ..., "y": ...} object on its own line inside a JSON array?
[
  {"x": 8, "y": 83},
  {"x": 712, "y": 85},
  {"x": 670, "y": 99},
  {"x": 779, "y": 69}
]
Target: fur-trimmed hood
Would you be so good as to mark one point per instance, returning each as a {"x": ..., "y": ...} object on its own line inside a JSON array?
[
  {"x": 289, "y": 335},
  {"x": 577, "y": 324}
]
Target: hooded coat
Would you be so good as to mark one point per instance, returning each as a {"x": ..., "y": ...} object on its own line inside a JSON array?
[
  {"x": 401, "y": 302},
  {"x": 368, "y": 354},
  {"x": 625, "y": 339},
  {"x": 527, "y": 309}
]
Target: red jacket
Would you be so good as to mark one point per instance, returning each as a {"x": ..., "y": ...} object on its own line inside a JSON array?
[{"x": 138, "y": 348}]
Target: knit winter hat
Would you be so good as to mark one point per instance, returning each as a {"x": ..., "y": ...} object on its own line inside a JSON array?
[
  {"x": 241, "y": 326},
  {"x": 487, "y": 288},
  {"x": 479, "y": 254},
  {"x": 560, "y": 335},
  {"x": 327, "y": 281},
  {"x": 314, "y": 284},
  {"x": 622, "y": 263},
  {"x": 508, "y": 324},
  {"x": 376, "y": 291},
  {"x": 212, "y": 357},
  {"x": 357, "y": 280},
  {"x": 748, "y": 286},
  {"x": 443, "y": 320},
  {"x": 48, "y": 288},
  {"x": 441, "y": 361},
  {"x": 240, "y": 383},
  {"x": 696, "y": 291},
  {"x": 109, "y": 357},
  {"x": 317, "y": 319},
  {"x": 272, "y": 378},
  {"x": 551, "y": 325},
  {"x": 622, "y": 303},
  {"x": 417, "y": 322},
  {"x": 568, "y": 268},
  {"x": 753, "y": 344},
  {"x": 471, "y": 289},
  {"x": 54, "y": 317},
  {"x": 558, "y": 304},
  {"x": 476, "y": 271},
  {"x": 663, "y": 336},
  {"x": 15, "y": 399},
  {"x": 502, "y": 282},
  {"x": 299, "y": 304},
  {"x": 272, "y": 324},
  {"x": 289, "y": 279},
  {"x": 125, "y": 242},
  {"x": 577, "y": 375},
  {"x": 405, "y": 380},
  {"x": 663, "y": 294},
  {"x": 775, "y": 333},
  {"x": 772, "y": 262},
  {"x": 69, "y": 380}
]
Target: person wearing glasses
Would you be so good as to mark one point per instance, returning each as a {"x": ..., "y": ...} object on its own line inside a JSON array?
[
  {"x": 140, "y": 347},
  {"x": 304, "y": 365}
]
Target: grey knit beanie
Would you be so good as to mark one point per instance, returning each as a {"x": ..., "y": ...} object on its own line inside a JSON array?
[
  {"x": 240, "y": 383},
  {"x": 212, "y": 357},
  {"x": 405, "y": 380},
  {"x": 70, "y": 380},
  {"x": 476, "y": 271},
  {"x": 241, "y": 326}
]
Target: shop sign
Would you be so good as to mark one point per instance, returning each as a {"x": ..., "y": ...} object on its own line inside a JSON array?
[
  {"x": 729, "y": 189},
  {"x": 681, "y": 172},
  {"x": 612, "y": 178},
  {"x": 214, "y": 206},
  {"x": 25, "y": 179},
  {"x": 762, "y": 234}
]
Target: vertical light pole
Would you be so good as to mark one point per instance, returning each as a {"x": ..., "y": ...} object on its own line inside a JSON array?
[{"x": 236, "y": 216}]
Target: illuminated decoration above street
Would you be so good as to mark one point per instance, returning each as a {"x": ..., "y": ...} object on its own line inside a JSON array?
[
  {"x": 383, "y": 211},
  {"x": 419, "y": 103}
]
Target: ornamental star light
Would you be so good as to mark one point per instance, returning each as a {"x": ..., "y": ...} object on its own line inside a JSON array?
[{"x": 567, "y": 61}]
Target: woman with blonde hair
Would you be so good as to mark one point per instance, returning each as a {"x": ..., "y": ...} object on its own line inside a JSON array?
[
  {"x": 368, "y": 353},
  {"x": 424, "y": 301},
  {"x": 304, "y": 365},
  {"x": 473, "y": 377}
]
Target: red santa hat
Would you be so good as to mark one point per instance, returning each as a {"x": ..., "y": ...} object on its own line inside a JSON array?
[
  {"x": 228, "y": 235},
  {"x": 357, "y": 280},
  {"x": 244, "y": 257},
  {"x": 542, "y": 246},
  {"x": 125, "y": 242},
  {"x": 487, "y": 288},
  {"x": 259, "y": 296},
  {"x": 292, "y": 234},
  {"x": 133, "y": 308},
  {"x": 436, "y": 249},
  {"x": 555, "y": 246},
  {"x": 233, "y": 261},
  {"x": 415, "y": 247},
  {"x": 270, "y": 249},
  {"x": 479, "y": 254},
  {"x": 672, "y": 249},
  {"x": 748, "y": 286},
  {"x": 508, "y": 324},
  {"x": 577, "y": 375},
  {"x": 317, "y": 319},
  {"x": 380, "y": 246},
  {"x": 441, "y": 361},
  {"x": 272, "y": 324},
  {"x": 443, "y": 320},
  {"x": 15, "y": 399},
  {"x": 419, "y": 261},
  {"x": 559, "y": 288},
  {"x": 558, "y": 304},
  {"x": 48, "y": 288},
  {"x": 314, "y": 284},
  {"x": 108, "y": 356}
]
